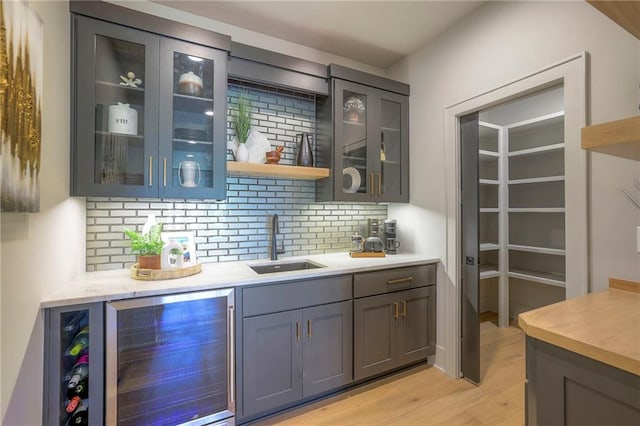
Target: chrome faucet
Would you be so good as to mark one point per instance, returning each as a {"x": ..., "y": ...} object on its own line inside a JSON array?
[{"x": 275, "y": 230}]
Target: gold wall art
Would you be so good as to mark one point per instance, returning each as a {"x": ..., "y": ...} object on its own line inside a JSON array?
[{"x": 21, "y": 75}]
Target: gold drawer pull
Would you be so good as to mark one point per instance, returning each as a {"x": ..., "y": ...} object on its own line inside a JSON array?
[
  {"x": 400, "y": 280},
  {"x": 395, "y": 310},
  {"x": 309, "y": 329},
  {"x": 371, "y": 178},
  {"x": 150, "y": 171},
  {"x": 404, "y": 308},
  {"x": 297, "y": 331}
]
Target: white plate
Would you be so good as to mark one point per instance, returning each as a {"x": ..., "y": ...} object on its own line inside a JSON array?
[{"x": 355, "y": 180}]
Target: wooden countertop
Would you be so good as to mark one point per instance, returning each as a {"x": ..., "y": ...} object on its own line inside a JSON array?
[{"x": 604, "y": 326}]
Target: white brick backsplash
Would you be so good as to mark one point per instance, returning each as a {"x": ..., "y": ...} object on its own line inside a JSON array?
[{"x": 240, "y": 227}]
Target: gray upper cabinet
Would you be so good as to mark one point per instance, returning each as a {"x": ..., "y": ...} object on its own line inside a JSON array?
[
  {"x": 148, "y": 112},
  {"x": 363, "y": 136}
]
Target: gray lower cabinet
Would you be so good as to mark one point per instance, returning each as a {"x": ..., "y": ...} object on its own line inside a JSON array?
[
  {"x": 392, "y": 330},
  {"x": 295, "y": 354},
  {"x": 564, "y": 388}
]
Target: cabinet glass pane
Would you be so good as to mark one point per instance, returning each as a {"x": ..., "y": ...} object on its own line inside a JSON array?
[
  {"x": 172, "y": 362},
  {"x": 192, "y": 149},
  {"x": 119, "y": 109},
  {"x": 354, "y": 132},
  {"x": 74, "y": 392},
  {"x": 391, "y": 147}
]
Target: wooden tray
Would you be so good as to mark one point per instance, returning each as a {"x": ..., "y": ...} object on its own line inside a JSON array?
[
  {"x": 367, "y": 254},
  {"x": 163, "y": 274}
]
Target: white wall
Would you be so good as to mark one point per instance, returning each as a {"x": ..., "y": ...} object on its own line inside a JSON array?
[
  {"x": 40, "y": 251},
  {"x": 498, "y": 43}
]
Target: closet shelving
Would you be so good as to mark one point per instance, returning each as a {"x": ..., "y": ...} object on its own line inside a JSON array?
[{"x": 522, "y": 204}]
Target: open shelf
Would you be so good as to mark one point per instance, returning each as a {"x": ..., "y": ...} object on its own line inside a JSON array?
[
  {"x": 620, "y": 138},
  {"x": 488, "y": 153},
  {"x": 489, "y": 271},
  {"x": 490, "y": 210},
  {"x": 489, "y": 246},
  {"x": 489, "y": 182},
  {"x": 532, "y": 249},
  {"x": 549, "y": 278},
  {"x": 235, "y": 168},
  {"x": 537, "y": 210},
  {"x": 538, "y": 150},
  {"x": 536, "y": 180}
]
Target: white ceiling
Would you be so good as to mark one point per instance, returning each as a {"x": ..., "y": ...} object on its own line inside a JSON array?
[{"x": 377, "y": 33}]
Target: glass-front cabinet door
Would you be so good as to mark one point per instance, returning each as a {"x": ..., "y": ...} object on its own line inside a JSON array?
[
  {"x": 192, "y": 117},
  {"x": 116, "y": 104},
  {"x": 393, "y": 127},
  {"x": 371, "y": 136},
  {"x": 352, "y": 142}
]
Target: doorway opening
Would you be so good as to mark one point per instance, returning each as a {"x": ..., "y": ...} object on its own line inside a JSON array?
[{"x": 521, "y": 241}]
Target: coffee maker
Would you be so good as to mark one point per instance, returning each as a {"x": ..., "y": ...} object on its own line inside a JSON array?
[{"x": 391, "y": 244}]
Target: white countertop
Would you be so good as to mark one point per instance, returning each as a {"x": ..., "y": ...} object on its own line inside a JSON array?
[{"x": 114, "y": 285}]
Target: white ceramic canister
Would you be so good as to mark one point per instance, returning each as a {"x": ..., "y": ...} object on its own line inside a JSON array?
[
  {"x": 190, "y": 84},
  {"x": 123, "y": 119},
  {"x": 187, "y": 171}
]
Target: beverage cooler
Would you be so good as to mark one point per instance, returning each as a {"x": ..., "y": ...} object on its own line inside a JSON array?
[
  {"x": 74, "y": 365},
  {"x": 169, "y": 360}
]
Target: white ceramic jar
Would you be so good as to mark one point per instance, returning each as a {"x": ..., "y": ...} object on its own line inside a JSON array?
[
  {"x": 190, "y": 84},
  {"x": 123, "y": 119}
]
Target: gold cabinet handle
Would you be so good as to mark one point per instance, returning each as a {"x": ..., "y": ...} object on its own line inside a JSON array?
[
  {"x": 400, "y": 280},
  {"x": 379, "y": 184},
  {"x": 150, "y": 171},
  {"x": 309, "y": 329},
  {"x": 395, "y": 310},
  {"x": 404, "y": 308},
  {"x": 371, "y": 191},
  {"x": 297, "y": 331},
  {"x": 164, "y": 171}
]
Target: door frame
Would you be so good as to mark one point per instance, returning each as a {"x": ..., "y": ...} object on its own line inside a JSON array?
[{"x": 571, "y": 72}]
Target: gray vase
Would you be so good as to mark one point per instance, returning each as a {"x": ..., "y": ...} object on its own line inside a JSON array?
[{"x": 305, "y": 155}]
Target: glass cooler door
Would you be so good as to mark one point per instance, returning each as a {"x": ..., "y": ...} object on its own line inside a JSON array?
[{"x": 170, "y": 359}]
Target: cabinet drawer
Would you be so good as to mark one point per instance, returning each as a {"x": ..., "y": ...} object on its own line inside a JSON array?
[
  {"x": 378, "y": 282},
  {"x": 294, "y": 295}
]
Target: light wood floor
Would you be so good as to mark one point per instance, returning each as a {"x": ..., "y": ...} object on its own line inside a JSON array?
[{"x": 426, "y": 396}]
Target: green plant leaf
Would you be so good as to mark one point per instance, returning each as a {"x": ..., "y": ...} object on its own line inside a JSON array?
[
  {"x": 241, "y": 118},
  {"x": 146, "y": 244}
]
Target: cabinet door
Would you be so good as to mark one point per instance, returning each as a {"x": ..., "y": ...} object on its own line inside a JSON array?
[
  {"x": 115, "y": 110},
  {"x": 376, "y": 320},
  {"x": 327, "y": 349},
  {"x": 64, "y": 328},
  {"x": 414, "y": 340},
  {"x": 392, "y": 126},
  {"x": 192, "y": 120},
  {"x": 353, "y": 139},
  {"x": 272, "y": 361}
]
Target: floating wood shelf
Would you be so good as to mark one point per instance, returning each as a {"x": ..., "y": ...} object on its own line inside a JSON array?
[
  {"x": 620, "y": 138},
  {"x": 276, "y": 171}
]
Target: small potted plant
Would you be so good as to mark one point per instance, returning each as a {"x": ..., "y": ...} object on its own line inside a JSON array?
[
  {"x": 147, "y": 245},
  {"x": 241, "y": 122}
]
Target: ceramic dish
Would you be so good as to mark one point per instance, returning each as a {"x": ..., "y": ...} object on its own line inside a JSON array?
[{"x": 355, "y": 180}]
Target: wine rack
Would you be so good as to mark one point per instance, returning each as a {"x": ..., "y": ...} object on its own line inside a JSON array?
[{"x": 73, "y": 388}]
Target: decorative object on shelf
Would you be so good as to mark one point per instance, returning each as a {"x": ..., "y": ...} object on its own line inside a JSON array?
[
  {"x": 356, "y": 243},
  {"x": 257, "y": 146},
  {"x": 130, "y": 80},
  {"x": 241, "y": 122},
  {"x": 123, "y": 119},
  {"x": 305, "y": 155},
  {"x": 147, "y": 244},
  {"x": 352, "y": 182},
  {"x": 273, "y": 157},
  {"x": 354, "y": 108},
  {"x": 190, "y": 134},
  {"x": 21, "y": 76},
  {"x": 187, "y": 174},
  {"x": 186, "y": 241},
  {"x": 190, "y": 84}
]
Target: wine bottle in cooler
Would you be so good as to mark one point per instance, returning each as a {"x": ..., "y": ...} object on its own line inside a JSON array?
[
  {"x": 79, "y": 378},
  {"x": 80, "y": 416},
  {"x": 80, "y": 342}
]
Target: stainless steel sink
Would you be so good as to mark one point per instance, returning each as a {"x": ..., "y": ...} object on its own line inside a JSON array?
[{"x": 270, "y": 268}]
